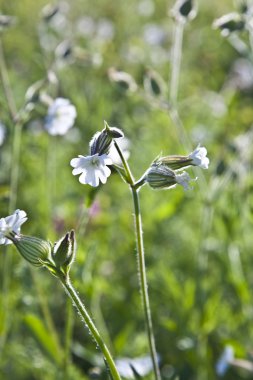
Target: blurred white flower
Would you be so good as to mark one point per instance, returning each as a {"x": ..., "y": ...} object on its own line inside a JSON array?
[
  {"x": 60, "y": 117},
  {"x": 124, "y": 145},
  {"x": 104, "y": 30},
  {"x": 216, "y": 103},
  {"x": 10, "y": 224},
  {"x": 142, "y": 366},
  {"x": 241, "y": 75},
  {"x": 86, "y": 26},
  {"x": 146, "y": 8},
  {"x": 92, "y": 168},
  {"x": 2, "y": 133},
  {"x": 225, "y": 360},
  {"x": 198, "y": 157},
  {"x": 154, "y": 34}
]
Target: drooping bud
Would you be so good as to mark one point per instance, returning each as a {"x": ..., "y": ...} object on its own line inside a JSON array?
[
  {"x": 229, "y": 23},
  {"x": 174, "y": 162},
  {"x": 124, "y": 80},
  {"x": 196, "y": 158},
  {"x": 64, "y": 252},
  {"x": 6, "y": 22},
  {"x": 101, "y": 141},
  {"x": 36, "y": 251},
  {"x": 162, "y": 177},
  {"x": 184, "y": 10},
  {"x": 153, "y": 83},
  {"x": 49, "y": 11}
]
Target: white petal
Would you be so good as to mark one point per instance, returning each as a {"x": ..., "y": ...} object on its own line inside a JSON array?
[{"x": 77, "y": 171}]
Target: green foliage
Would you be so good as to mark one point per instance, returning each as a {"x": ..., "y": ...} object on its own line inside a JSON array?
[{"x": 198, "y": 244}]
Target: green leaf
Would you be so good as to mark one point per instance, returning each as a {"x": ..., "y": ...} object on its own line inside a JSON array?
[{"x": 43, "y": 336}]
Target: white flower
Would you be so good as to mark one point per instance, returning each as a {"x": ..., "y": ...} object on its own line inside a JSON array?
[
  {"x": 142, "y": 365},
  {"x": 183, "y": 179},
  {"x": 10, "y": 224},
  {"x": 60, "y": 117},
  {"x": 225, "y": 360},
  {"x": 92, "y": 168},
  {"x": 198, "y": 157}
]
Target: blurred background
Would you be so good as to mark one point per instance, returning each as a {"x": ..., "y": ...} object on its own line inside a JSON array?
[{"x": 198, "y": 243}]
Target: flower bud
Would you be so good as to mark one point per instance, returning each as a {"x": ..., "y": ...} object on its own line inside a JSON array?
[
  {"x": 101, "y": 141},
  {"x": 184, "y": 10},
  {"x": 64, "y": 252},
  {"x": 36, "y": 251},
  {"x": 153, "y": 83},
  {"x": 124, "y": 80},
  {"x": 196, "y": 158},
  {"x": 229, "y": 23},
  {"x": 49, "y": 11},
  {"x": 160, "y": 177},
  {"x": 174, "y": 162}
]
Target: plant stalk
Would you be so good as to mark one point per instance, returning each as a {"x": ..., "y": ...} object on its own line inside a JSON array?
[
  {"x": 143, "y": 282},
  {"x": 135, "y": 186},
  {"x": 89, "y": 323}
]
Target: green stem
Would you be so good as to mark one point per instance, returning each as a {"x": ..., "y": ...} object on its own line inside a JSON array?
[
  {"x": 130, "y": 177},
  {"x": 12, "y": 109},
  {"x": 6, "y": 85},
  {"x": 135, "y": 186},
  {"x": 88, "y": 321},
  {"x": 176, "y": 61},
  {"x": 68, "y": 338},
  {"x": 143, "y": 283}
]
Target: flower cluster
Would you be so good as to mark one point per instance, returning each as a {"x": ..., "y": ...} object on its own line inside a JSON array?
[
  {"x": 94, "y": 168},
  {"x": 163, "y": 172},
  {"x": 38, "y": 252},
  {"x": 60, "y": 117}
]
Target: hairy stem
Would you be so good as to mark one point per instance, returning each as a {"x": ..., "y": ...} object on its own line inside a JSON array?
[
  {"x": 143, "y": 282},
  {"x": 135, "y": 186},
  {"x": 89, "y": 323}
]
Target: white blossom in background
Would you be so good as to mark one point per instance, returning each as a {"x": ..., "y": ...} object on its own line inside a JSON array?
[
  {"x": 105, "y": 30},
  {"x": 146, "y": 8},
  {"x": 198, "y": 157},
  {"x": 11, "y": 223},
  {"x": 60, "y": 117},
  {"x": 225, "y": 361},
  {"x": 2, "y": 133},
  {"x": 154, "y": 34},
  {"x": 124, "y": 145},
  {"x": 92, "y": 168},
  {"x": 142, "y": 366}
]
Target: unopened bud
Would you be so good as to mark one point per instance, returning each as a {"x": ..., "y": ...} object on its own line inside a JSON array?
[
  {"x": 229, "y": 23},
  {"x": 36, "y": 251},
  {"x": 174, "y": 162},
  {"x": 101, "y": 141},
  {"x": 184, "y": 10},
  {"x": 124, "y": 80},
  {"x": 6, "y": 22},
  {"x": 64, "y": 252},
  {"x": 153, "y": 83},
  {"x": 49, "y": 11},
  {"x": 162, "y": 177}
]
